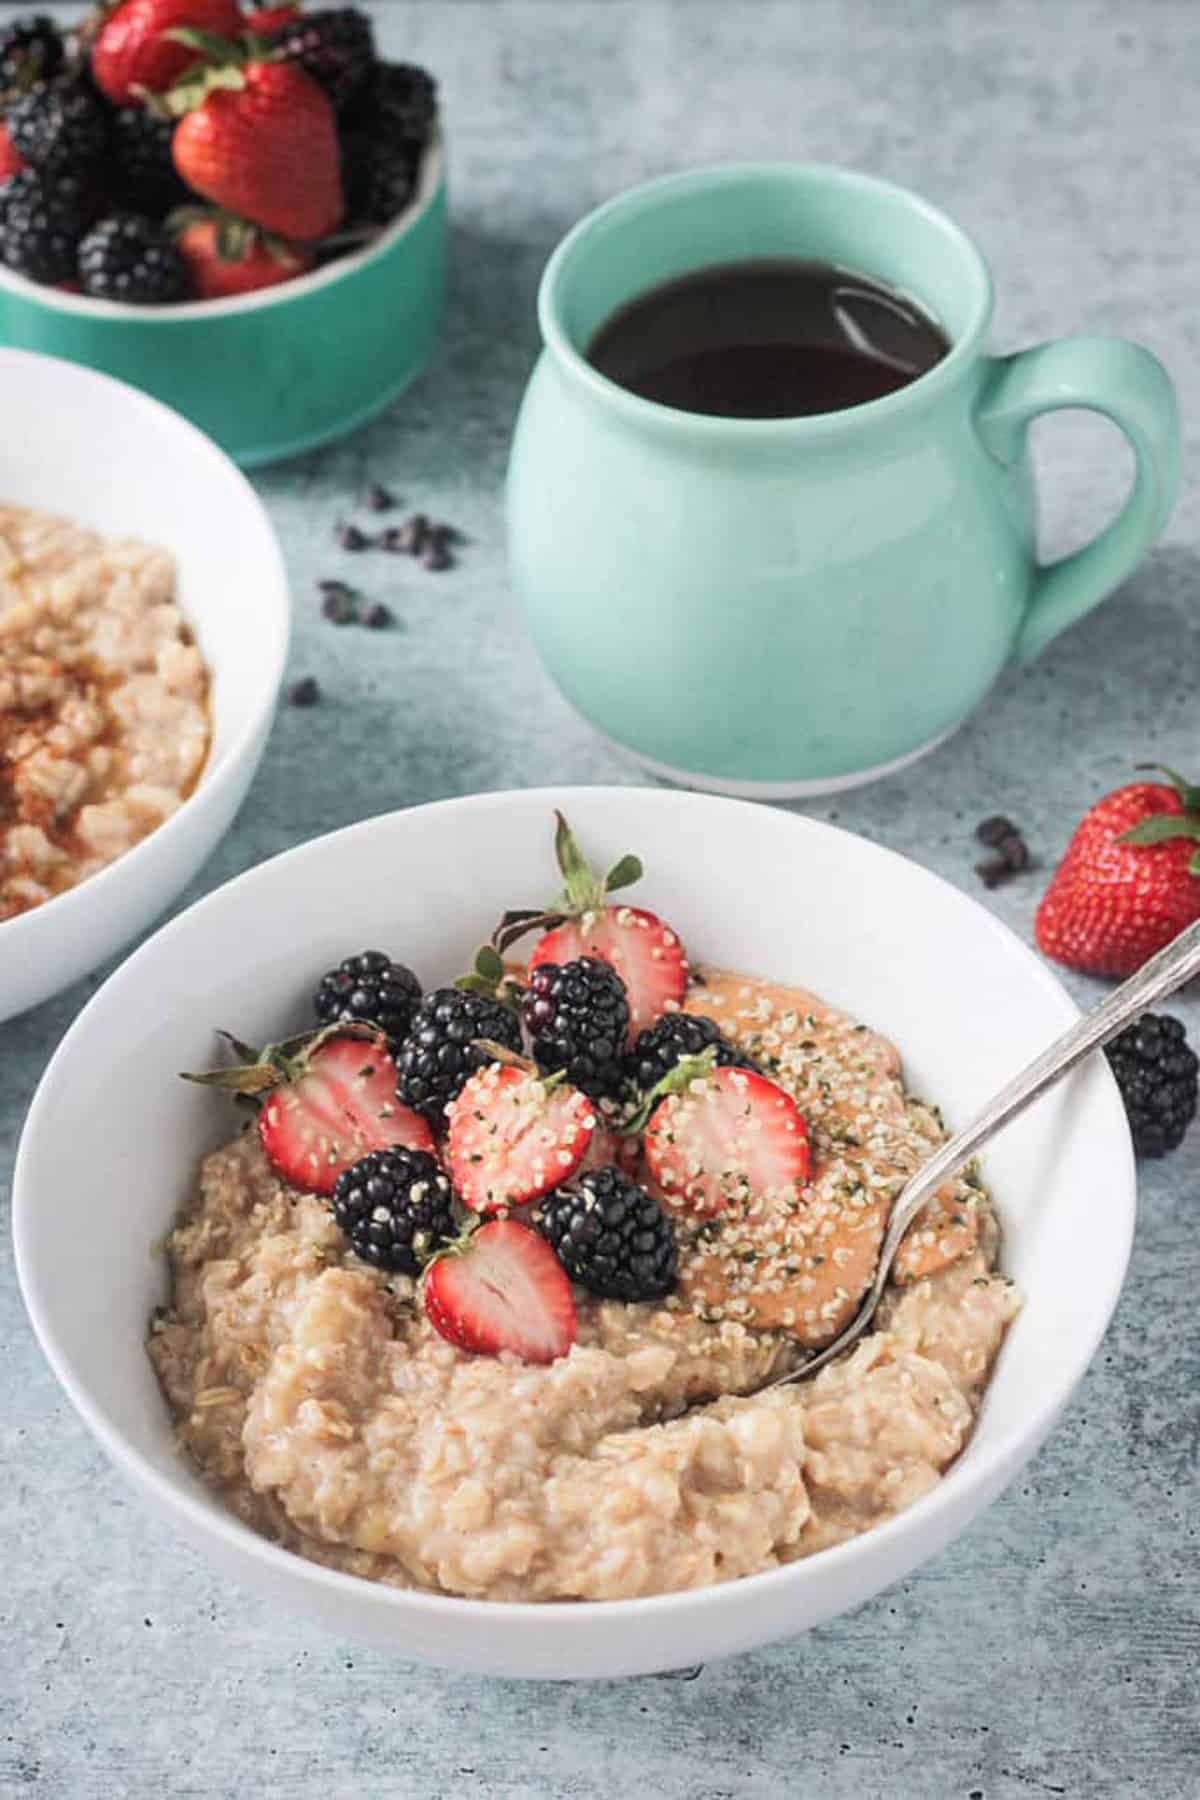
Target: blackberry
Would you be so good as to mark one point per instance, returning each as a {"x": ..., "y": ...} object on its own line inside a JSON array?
[
  {"x": 438, "y": 1055},
  {"x": 127, "y": 257},
  {"x": 400, "y": 105},
  {"x": 31, "y": 49},
  {"x": 146, "y": 177},
  {"x": 395, "y": 1207},
  {"x": 611, "y": 1236},
  {"x": 371, "y": 989},
  {"x": 380, "y": 177},
  {"x": 336, "y": 48},
  {"x": 676, "y": 1035},
  {"x": 58, "y": 127},
  {"x": 1156, "y": 1073},
  {"x": 41, "y": 225},
  {"x": 577, "y": 1014}
]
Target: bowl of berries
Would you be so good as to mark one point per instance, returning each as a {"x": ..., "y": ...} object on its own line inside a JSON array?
[
  {"x": 240, "y": 212},
  {"x": 514, "y": 1177}
]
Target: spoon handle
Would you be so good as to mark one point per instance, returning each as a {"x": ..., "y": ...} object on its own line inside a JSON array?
[{"x": 1178, "y": 963}]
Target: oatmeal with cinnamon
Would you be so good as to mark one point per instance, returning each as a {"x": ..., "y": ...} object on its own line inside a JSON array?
[
  {"x": 104, "y": 725},
  {"x": 328, "y": 1407}
]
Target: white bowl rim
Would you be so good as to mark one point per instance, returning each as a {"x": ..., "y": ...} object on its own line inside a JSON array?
[
  {"x": 271, "y": 665},
  {"x": 974, "y": 1471},
  {"x": 429, "y": 183}
]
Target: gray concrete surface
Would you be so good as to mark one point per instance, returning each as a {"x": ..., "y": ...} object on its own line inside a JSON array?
[{"x": 1053, "y": 1650}]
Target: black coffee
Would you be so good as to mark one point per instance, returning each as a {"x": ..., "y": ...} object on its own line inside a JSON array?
[{"x": 775, "y": 339}]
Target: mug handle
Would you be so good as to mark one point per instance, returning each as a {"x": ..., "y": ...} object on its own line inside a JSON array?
[{"x": 1129, "y": 386}]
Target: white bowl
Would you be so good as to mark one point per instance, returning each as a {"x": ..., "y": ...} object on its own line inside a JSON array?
[
  {"x": 81, "y": 444},
  {"x": 757, "y": 889}
]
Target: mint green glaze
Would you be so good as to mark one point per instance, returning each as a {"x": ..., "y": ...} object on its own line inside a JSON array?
[
  {"x": 800, "y": 601},
  {"x": 279, "y": 372}
]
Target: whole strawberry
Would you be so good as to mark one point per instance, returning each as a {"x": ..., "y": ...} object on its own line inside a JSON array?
[
  {"x": 225, "y": 256},
  {"x": 1129, "y": 882},
  {"x": 133, "y": 51},
  {"x": 261, "y": 142},
  {"x": 10, "y": 162}
]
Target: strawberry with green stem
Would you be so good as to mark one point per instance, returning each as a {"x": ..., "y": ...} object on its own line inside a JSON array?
[
  {"x": 136, "y": 48},
  {"x": 324, "y": 1100},
  {"x": 257, "y": 136},
  {"x": 1130, "y": 879},
  {"x": 716, "y": 1137},
  {"x": 581, "y": 921},
  {"x": 225, "y": 255}
]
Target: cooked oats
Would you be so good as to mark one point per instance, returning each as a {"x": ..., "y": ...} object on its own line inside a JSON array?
[
  {"x": 103, "y": 702},
  {"x": 313, "y": 1394}
]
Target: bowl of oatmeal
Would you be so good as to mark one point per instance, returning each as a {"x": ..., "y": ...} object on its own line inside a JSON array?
[
  {"x": 143, "y": 630},
  {"x": 469, "y": 1372}
]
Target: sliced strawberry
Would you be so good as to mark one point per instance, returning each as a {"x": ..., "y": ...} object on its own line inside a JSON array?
[
  {"x": 514, "y": 1136},
  {"x": 730, "y": 1137},
  {"x": 342, "y": 1105},
  {"x": 503, "y": 1290},
  {"x": 327, "y": 1098},
  {"x": 645, "y": 953},
  {"x": 580, "y": 921}
]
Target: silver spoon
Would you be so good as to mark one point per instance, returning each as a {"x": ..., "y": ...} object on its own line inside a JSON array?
[{"x": 1153, "y": 981}]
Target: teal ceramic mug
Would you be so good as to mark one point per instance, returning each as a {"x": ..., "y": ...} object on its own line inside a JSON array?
[{"x": 783, "y": 607}]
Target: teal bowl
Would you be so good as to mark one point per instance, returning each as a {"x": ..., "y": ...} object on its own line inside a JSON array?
[{"x": 271, "y": 374}]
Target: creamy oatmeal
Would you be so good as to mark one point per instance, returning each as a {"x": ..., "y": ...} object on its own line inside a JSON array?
[
  {"x": 103, "y": 702},
  {"x": 312, "y": 1392}
]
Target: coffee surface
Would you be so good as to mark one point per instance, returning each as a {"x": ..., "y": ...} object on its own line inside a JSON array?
[{"x": 775, "y": 339}]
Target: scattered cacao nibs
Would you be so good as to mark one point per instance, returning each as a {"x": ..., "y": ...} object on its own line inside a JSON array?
[
  {"x": 305, "y": 692},
  {"x": 378, "y": 499},
  {"x": 343, "y": 588},
  {"x": 340, "y": 607},
  {"x": 994, "y": 873},
  {"x": 378, "y": 616},
  {"x": 351, "y": 538},
  {"x": 1015, "y": 851},
  {"x": 1012, "y": 852},
  {"x": 394, "y": 540},
  {"x": 416, "y": 533},
  {"x": 993, "y": 831},
  {"x": 437, "y": 557}
]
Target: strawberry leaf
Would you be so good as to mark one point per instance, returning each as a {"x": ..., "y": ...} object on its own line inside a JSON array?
[
  {"x": 512, "y": 1059},
  {"x": 519, "y": 922},
  {"x": 675, "y": 1081},
  {"x": 489, "y": 977},
  {"x": 1189, "y": 795},
  {"x": 488, "y": 964},
  {"x": 1160, "y": 828},
  {"x": 623, "y": 874},
  {"x": 207, "y": 44},
  {"x": 1194, "y": 864},
  {"x": 580, "y": 890}
]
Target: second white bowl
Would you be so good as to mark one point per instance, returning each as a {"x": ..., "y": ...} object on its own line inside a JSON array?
[{"x": 78, "y": 443}]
